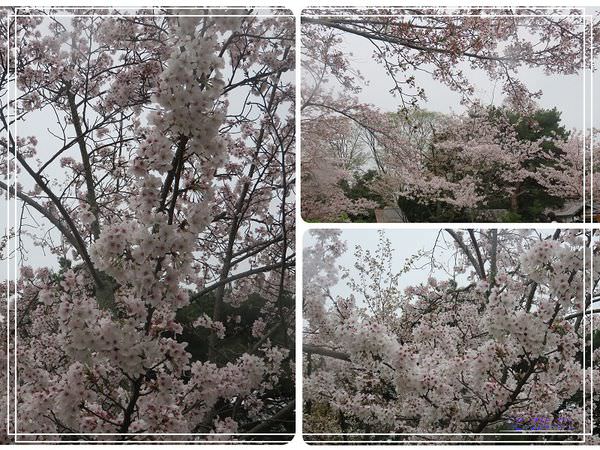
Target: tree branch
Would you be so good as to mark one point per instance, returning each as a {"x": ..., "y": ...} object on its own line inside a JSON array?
[
  {"x": 467, "y": 252},
  {"x": 80, "y": 245},
  {"x": 85, "y": 158},
  {"x": 245, "y": 274},
  {"x": 287, "y": 409},
  {"x": 314, "y": 350},
  {"x": 43, "y": 211}
]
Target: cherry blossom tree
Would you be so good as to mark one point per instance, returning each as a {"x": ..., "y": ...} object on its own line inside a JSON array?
[
  {"x": 593, "y": 173},
  {"x": 493, "y": 339},
  {"x": 324, "y": 170},
  {"x": 473, "y": 160},
  {"x": 443, "y": 44},
  {"x": 497, "y": 41},
  {"x": 162, "y": 179},
  {"x": 564, "y": 177}
]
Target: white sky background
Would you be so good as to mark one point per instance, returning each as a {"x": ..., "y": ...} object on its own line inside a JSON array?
[
  {"x": 405, "y": 242},
  {"x": 563, "y": 92}
]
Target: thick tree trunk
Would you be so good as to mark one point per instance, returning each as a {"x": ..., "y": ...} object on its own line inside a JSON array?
[{"x": 514, "y": 199}]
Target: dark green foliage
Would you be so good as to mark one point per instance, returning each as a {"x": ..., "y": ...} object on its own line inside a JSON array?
[
  {"x": 429, "y": 211},
  {"x": 511, "y": 216},
  {"x": 239, "y": 340},
  {"x": 361, "y": 189},
  {"x": 542, "y": 124}
]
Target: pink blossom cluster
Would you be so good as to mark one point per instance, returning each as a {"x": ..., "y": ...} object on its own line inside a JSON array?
[
  {"x": 445, "y": 357},
  {"x": 170, "y": 211}
]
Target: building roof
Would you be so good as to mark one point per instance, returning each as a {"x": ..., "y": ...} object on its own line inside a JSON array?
[{"x": 571, "y": 208}]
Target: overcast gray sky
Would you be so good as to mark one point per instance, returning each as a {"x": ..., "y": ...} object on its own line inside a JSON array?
[
  {"x": 563, "y": 92},
  {"x": 405, "y": 242}
]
